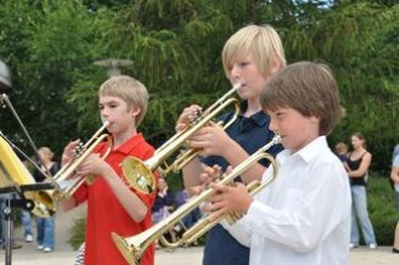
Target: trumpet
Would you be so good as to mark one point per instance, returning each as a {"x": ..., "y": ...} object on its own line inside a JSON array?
[
  {"x": 133, "y": 247},
  {"x": 65, "y": 187},
  {"x": 142, "y": 170}
]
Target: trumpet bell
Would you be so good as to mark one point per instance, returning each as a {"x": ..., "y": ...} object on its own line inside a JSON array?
[
  {"x": 127, "y": 252},
  {"x": 138, "y": 175}
]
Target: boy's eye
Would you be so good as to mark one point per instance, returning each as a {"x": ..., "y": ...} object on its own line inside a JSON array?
[{"x": 243, "y": 64}]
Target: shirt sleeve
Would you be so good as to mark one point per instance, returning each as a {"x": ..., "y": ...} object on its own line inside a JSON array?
[
  {"x": 239, "y": 232},
  {"x": 81, "y": 194},
  {"x": 396, "y": 161},
  {"x": 323, "y": 205}
]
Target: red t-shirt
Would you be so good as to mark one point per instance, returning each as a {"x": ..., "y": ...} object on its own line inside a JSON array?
[{"x": 106, "y": 215}]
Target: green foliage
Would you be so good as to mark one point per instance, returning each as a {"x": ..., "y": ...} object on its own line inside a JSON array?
[
  {"x": 77, "y": 233},
  {"x": 382, "y": 209}
]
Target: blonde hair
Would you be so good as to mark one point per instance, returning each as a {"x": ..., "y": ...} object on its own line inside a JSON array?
[
  {"x": 262, "y": 42},
  {"x": 46, "y": 151},
  {"x": 130, "y": 90},
  {"x": 307, "y": 87}
]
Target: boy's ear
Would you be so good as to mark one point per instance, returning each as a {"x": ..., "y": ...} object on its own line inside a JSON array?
[
  {"x": 276, "y": 65},
  {"x": 315, "y": 119},
  {"x": 136, "y": 111}
]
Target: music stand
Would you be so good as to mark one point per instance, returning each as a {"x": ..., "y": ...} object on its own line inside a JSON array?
[
  {"x": 15, "y": 178},
  {"x": 22, "y": 203}
]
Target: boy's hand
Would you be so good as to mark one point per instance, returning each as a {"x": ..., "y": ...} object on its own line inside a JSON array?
[
  {"x": 188, "y": 115},
  {"x": 69, "y": 151},
  {"x": 93, "y": 164},
  {"x": 212, "y": 139},
  {"x": 210, "y": 174},
  {"x": 229, "y": 199}
]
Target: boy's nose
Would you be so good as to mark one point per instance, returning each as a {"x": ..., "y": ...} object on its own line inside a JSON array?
[
  {"x": 273, "y": 126},
  {"x": 235, "y": 73}
]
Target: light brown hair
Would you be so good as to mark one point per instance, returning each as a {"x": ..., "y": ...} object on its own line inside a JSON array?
[
  {"x": 307, "y": 87},
  {"x": 341, "y": 148},
  {"x": 262, "y": 42},
  {"x": 130, "y": 90}
]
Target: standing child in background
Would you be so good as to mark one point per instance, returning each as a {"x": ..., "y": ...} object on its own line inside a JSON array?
[
  {"x": 303, "y": 216},
  {"x": 113, "y": 205},
  {"x": 341, "y": 150},
  {"x": 250, "y": 56},
  {"x": 45, "y": 226}
]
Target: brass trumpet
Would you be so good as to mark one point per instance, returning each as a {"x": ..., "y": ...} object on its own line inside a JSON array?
[
  {"x": 65, "y": 187},
  {"x": 142, "y": 170},
  {"x": 133, "y": 247}
]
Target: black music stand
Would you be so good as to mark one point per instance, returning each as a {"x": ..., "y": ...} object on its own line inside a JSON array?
[{"x": 21, "y": 203}]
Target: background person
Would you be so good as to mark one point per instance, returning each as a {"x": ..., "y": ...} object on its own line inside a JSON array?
[
  {"x": 395, "y": 179},
  {"x": 359, "y": 161},
  {"x": 45, "y": 226}
]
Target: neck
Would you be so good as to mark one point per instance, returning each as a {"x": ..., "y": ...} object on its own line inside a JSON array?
[
  {"x": 119, "y": 139},
  {"x": 360, "y": 149},
  {"x": 252, "y": 108}
]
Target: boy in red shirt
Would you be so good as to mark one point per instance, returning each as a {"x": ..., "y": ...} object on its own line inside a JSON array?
[{"x": 113, "y": 205}]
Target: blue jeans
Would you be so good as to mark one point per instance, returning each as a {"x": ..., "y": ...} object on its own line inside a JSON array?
[
  {"x": 45, "y": 232},
  {"x": 26, "y": 221},
  {"x": 360, "y": 215}
]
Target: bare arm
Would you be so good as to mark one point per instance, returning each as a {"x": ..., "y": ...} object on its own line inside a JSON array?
[
  {"x": 191, "y": 172},
  {"x": 363, "y": 168},
  {"x": 215, "y": 141},
  {"x": 68, "y": 204},
  {"x": 395, "y": 174}
]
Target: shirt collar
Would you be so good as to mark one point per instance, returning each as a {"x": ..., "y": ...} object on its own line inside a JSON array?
[
  {"x": 312, "y": 150},
  {"x": 260, "y": 117},
  {"x": 130, "y": 144}
]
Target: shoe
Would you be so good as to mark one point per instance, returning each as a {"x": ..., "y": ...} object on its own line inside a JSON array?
[
  {"x": 47, "y": 250},
  {"x": 40, "y": 247},
  {"x": 372, "y": 246},
  {"x": 353, "y": 245},
  {"x": 28, "y": 238},
  {"x": 395, "y": 250}
]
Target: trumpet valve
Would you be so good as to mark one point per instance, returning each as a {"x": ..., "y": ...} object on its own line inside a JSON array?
[{"x": 79, "y": 149}]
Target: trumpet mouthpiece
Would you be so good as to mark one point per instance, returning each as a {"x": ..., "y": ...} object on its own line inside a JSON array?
[
  {"x": 237, "y": 86},
  {"x": 105, "y": 122}
]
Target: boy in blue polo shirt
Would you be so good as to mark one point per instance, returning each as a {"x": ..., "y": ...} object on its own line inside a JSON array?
[{"x": 250, "y": 57}]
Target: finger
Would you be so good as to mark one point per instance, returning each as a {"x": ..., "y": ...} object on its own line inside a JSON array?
[
  {"x": 216, "y": 215},
  {"x": 208, "y": 170},
  {"x": 217, "y": 167},
  {"x": 220, "y": 187},
  {"x": 229, "y": 169}
]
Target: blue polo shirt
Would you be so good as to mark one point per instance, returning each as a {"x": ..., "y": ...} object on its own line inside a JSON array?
[{"x": 251, "y": 133}]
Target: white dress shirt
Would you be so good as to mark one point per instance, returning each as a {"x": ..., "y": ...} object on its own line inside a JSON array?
[{"x": 303, "y": 216}]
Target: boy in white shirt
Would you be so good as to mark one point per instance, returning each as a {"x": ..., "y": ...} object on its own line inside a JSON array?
[{"x": 302, "y": 217}]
